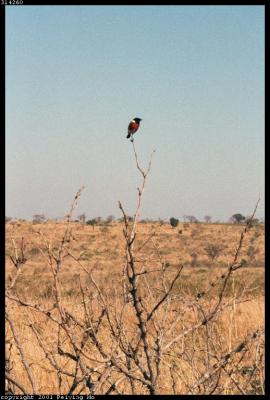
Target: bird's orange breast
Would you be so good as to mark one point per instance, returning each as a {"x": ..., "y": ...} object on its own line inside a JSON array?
[{"x": 133, "y": 126}]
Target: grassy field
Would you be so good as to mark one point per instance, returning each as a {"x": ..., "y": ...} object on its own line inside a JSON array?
[{"x": 49, "y": 354}]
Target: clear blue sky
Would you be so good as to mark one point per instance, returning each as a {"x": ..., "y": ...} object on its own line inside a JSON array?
[{"x": 76, "y": 75}]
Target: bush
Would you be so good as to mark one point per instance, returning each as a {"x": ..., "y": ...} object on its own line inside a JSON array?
[
  {"x": 213, "y": 250},
  {"x": 251, "y": 252},
  {"x": 174, "y": 222},
  {"x": 194, "y": 259},
  {"x": 92, "y": 222}
]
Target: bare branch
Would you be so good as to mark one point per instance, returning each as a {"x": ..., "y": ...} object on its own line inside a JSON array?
[{"x": 22, "y": 354}]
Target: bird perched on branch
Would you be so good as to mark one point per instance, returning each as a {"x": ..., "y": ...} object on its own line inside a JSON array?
[{"x": 133, "y": 127}]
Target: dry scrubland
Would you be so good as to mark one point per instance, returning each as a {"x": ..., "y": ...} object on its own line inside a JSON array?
[
  {"x": 134, "y": 308},
  {"x": 103, "y": 247},
  {"x": 92, "y": 351}
]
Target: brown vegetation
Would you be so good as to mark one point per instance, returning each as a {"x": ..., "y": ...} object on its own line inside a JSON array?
[{"x": 134, "y": 308}]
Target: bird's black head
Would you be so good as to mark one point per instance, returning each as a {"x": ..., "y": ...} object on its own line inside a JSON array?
[{"x": 137, "y": 120}]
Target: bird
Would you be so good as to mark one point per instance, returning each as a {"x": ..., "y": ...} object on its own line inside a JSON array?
[{"x": 133, "y": 127}]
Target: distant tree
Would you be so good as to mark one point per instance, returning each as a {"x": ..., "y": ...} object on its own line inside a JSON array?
[
  {"x": 191, "y": 218},
  {"x": 174, "y": 222},
  {"x": 130, "y": 219},
  {"x": 82, "y": 218},
  {"x": 110, "y": 219},
  {"x": 207, "y": 219},
  {"x": 7, "y": 219},
  {"x": 237, "y": 218},
  {"x": 39, "y": 218}
]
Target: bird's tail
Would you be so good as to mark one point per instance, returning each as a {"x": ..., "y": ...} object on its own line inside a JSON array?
[{"x": 128, "y": 135}]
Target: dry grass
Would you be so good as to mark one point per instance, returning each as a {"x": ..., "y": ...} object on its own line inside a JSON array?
[
  {"x": 134, "y": 308},
  {"x": 103, "y": 251}
]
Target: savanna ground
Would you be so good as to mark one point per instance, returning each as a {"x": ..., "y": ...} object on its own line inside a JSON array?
[{"x": 178, "y": 310}]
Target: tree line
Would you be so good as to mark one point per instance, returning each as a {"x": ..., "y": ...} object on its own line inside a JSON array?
[{"x": 237, "y": 218}]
